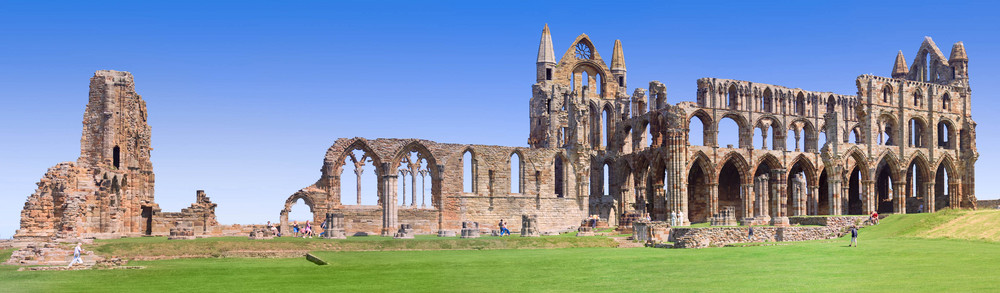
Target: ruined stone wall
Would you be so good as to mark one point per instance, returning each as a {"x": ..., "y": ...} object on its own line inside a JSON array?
[
  {"x": 493, "y": 198},
  {"x": 108, "y": 191}
]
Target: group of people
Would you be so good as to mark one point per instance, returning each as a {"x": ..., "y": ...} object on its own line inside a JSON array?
[
  {"x": 676, "y": 218},
  {"x": 304, "y": 231},
  {"x": 503, "y": 228}
]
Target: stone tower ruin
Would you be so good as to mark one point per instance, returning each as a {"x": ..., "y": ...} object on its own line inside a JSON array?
[{"x": 108, "y": 191}]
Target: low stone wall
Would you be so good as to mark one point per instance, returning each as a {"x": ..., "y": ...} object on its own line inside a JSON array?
[
  {"x": 988, "y": 204},
  {"x": 651, "y": 231},
  {"x": 832, "y": 227},
  {"x": 839, "y": 221}
]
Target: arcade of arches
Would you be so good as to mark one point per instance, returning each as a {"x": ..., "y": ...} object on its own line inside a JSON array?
[{"x": 902, "y": 144}]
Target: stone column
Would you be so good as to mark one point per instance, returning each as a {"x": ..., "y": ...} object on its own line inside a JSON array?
[
  {"x": 414, "y": 170},
  {"x": 676, "y": 186},
  {"x": 423, "y": 188},
  {"x": 389, "y": 206},
  {"x": 833, "y": 187},
  {"x": 658, "y": 193},
  {"x": 763, "y": 140},
  {"x": 899, "y": 198},
  {"x": 713, "y": 198},
  {"x": 779, "y": 207},
  {"x": 798, "y": 195},
  {"x": 868, "y": 197},
  {"x": 813, "y": 200},
  {"x": 929, "y": 198},
  {"x": 747, "y": 208},
  {"x": 402, "y": 173},
  {"x": 359, "y": 168},
  {"x": 954, "y": 193},
  {"x": 762, "y": 195}
]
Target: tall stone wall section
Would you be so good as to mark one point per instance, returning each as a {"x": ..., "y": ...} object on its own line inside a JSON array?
[{"x": 108, "y": 191}]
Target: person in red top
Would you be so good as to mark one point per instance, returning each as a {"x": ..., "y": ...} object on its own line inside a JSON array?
[{"x": 875, "y": 218}]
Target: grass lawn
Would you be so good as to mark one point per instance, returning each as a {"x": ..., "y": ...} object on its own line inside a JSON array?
[{"x": 898, "y": 255}]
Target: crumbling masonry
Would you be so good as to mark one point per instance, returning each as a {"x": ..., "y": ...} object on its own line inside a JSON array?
[
  {"x": 903, "y": 144},
  {"x": 108, "y": 191}
]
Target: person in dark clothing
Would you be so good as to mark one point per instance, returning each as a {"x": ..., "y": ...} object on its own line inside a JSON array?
[
  {"x": 750, "y": 235},
  {"x": 854, "y": 236}
]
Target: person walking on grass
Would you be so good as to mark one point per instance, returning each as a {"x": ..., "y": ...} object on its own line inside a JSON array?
[
  {"x": 854, "y": 236},
  {"x": 76, "y": 255}
]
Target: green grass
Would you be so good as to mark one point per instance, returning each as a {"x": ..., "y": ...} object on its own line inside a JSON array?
[
  {"x": 894, "y": 256},
  {"x": 220, "y": 246}
]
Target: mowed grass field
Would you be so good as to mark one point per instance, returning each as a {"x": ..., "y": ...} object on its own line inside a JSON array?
[{"x": 923, "y": 252}]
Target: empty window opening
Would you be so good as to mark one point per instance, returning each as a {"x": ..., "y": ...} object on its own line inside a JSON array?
[
  {"x": 548, "y": 73},
  {"x": 944, "y": 135},
  {"x": 116, "y": 157},
  {"x": 800, "y": 105},
  {"x": 621, "y": 81},
  {"x": 300, "y": 213},
  {"x": 728, "y": 133},
  {"x": 468, "y": 173},
  {"x": 605, "y": 127},
  {"x": 941, "y": 191},
  {"x": 768, "y": 101},
  {"x": 917, "y": 99},
  {"x": 793, "y": 140},
  {"x": 606, "y": 174},
  {"x": 831, "y": 104},
  {"x": 697, "y": 131},
  {"x": 946, "y": 102},
  {"x": 821, "y": 140},
  {"x": 515, "y": 173},
  {"x": 916, "y": 133},
  {"x": 358, "y": 181},
  {"x": 887, "y": 94},
  {"x": 560, "y": 180}
]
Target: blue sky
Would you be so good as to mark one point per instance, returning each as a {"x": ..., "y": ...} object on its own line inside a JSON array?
[{"x": 244, "y": 97}]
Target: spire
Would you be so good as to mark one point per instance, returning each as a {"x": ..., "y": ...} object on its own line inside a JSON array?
[
  {"x": 899, "y": 70},
  {"x": 958, "y": 52},
  {"x": 545, "y": 53},
  {"x": 617, "y": 57}
]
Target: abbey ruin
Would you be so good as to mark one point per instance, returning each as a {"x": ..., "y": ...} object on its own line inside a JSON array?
[
  {"x": 902, "y": 144},
  {"x": 108, "y": 191}
]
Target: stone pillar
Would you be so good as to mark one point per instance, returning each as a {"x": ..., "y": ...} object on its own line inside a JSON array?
[
  {"x": 414, "y": 170},
  {"x": 676, "y": 142},
  {"x": 423, "y": 188},
  {"x": 954, "y": 193},
  {"x": 658, "y": 211},
  {"x": 834, "y": 190},
  {"x": 359, "y": 168},
  {"x": 713, "y": 198},
  {"x": 798, "y": 195},
  {"x": 899, "y": 198},
  {"x": 389, "y": 206},
  {"x": 929, "y": 198},
  {"x": 747, "y": 208},
  {"x": 779, "y": 208},
  {"x": 402, "y": 172},
  {"x": 763, "y": 140},
  {"x": 762, "y": 195},
  {"x": 868, "y": 197},
  {"x": 813, "y": 200}
]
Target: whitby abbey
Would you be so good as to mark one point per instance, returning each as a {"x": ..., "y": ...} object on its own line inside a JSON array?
[{"x": 903, "y": 144}]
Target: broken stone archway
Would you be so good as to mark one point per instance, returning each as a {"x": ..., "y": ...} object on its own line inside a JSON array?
[{"x": 317, "y": 215}]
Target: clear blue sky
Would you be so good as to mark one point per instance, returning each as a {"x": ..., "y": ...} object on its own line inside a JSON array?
[{"x": 245, "y": 97}]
